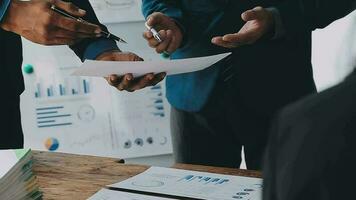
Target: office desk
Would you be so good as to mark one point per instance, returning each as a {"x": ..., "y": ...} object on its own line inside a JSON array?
[{"x": 74, "y": 177}]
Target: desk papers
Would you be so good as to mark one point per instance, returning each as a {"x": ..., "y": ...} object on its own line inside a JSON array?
[
  {"x": 17, "y": 180},
  {"x": 106, "y": 68},
  {"x": 106, "y": 194},
  {"x": 192, "y": 184}
]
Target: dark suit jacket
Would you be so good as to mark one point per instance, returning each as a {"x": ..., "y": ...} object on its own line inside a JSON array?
[
  {"x": 269, "y": 74},
  {"x": 11, "y": 80},
  {"x": 312, "y": 152}
]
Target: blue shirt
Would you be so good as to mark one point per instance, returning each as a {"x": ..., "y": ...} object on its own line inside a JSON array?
[{"x": 92, "y": 51}]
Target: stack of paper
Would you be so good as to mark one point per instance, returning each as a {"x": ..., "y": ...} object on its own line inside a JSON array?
[
  {"x": 17, "y": 180},
  {"x": 184, "y": 184}
]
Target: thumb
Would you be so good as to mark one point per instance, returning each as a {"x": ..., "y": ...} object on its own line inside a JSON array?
[
  {"x": 155, "y": 18},
  {"x": 254, "y": 14}
]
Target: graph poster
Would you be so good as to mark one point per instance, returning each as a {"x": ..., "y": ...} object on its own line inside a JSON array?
[
  {"x": 117, "y": 11},
  {"x": 82, "y": 115}
]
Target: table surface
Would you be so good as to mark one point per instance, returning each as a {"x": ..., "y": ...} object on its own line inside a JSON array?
[{"x": 67, "y": 177}]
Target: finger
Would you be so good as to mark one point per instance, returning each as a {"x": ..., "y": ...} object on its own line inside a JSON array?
[
  {"x": 220, "y": 42},
  {"x": 114, "y": 80},
  {"x": 71, "y": 35},
  {"x": 232, "y": 38},
  {"x": 155, "y": 18},
  {"x": 143, "y": 82},
  {"x": 153, "y": 43},
  {"x": 256, "y": 13},
  {"x": 158, "y": 78},
  {"x": 125, "y": 83},
  {"x": 167, "y": 38},
  {"x": 174, "y": 44},
  {"x": 69, "y": 8},
  {"x": 74, "y": 26},
  {"x": 147, "y": 35}
]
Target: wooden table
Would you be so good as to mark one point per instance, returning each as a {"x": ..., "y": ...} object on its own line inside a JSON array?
[{"x": 74, "y": 177}]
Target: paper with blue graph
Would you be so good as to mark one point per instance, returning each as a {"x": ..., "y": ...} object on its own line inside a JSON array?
[
  {"x": 106, "y": 194},
  {"x": 192, "y": 184},
  {"x": 106, "y": 68}
]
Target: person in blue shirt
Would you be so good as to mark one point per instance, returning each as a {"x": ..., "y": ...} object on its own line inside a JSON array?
[
  {"x": 217, "y": 111},
  {"x": 35, "y": 21}
]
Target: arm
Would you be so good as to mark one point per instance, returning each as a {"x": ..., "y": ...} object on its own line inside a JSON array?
[
  {"x": 307, "y": 15},
  {"x": 107, "y": 50},
  {"x": 289, "y": 18}
]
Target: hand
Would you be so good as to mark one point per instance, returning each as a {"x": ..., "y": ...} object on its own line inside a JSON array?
[
  {"x": 170, "y": 32},
  {"x": 128, "y": 82},
  {"x": 37, "y": 22},
  {"x": 259, "y": 22}
]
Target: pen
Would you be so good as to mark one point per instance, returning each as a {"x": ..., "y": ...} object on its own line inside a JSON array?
[
  {"x": 105, "y": 34},
  {"x": 157, "y": 36}
]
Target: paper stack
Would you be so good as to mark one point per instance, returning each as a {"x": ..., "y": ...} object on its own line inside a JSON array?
[{"x": 17, "y": 181}]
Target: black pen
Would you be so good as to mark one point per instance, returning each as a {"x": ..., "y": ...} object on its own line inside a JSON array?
[{"x": 103, "y": 33}]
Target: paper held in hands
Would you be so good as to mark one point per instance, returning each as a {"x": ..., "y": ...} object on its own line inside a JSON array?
[{"x": 106, "y": 68}]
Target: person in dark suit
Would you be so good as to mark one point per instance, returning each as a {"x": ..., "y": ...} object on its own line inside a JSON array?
[
  {"x": 311, "y": 153},
  {"x": 35, "y": 21},
  {"x": 229, "y": 105}
]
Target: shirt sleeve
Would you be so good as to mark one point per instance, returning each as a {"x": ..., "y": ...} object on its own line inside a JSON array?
[
  {"x": 98, "y": 47},
  {"x": 279, "y": 30},
  {"x": 4, "y": 4}
]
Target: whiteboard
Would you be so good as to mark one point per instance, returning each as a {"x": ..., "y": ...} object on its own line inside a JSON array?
[{"x": 81, "y": 115}]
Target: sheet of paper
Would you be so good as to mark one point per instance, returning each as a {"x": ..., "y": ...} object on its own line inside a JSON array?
[
  {"x": 192, "y": 184},
  {"x": 106, "y": 194},
  {"x": 9, "y": 158},
  {"x": 106, "y": 68}
]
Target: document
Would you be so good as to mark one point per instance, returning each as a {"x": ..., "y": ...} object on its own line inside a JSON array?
[
  {"x": 106, "y": 194},
  {"x": 192, "y": 184},
  {"x": 106, "y": 68}
]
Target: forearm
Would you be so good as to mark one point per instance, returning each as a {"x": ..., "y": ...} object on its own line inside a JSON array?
[{"x": 91, "y": 48}]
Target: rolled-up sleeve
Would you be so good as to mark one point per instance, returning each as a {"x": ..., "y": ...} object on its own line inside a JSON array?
[{"x": 4, "y": 4}]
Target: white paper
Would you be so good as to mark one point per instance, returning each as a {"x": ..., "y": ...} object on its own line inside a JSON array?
[
  {"x": 192, "y": 184},
  {"x": 106, "y": 194},
  {"x": 106, "y": 68},
  {"x": 8, "y": 160}
]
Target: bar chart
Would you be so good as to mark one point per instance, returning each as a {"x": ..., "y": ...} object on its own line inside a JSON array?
[
  {"x": 69, "y": 86},
  {"x": 157, "y": 101},
  {"x": 204, "y": 180}
]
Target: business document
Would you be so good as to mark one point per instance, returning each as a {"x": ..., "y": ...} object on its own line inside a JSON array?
[
  {"x": 192, "y": 184},
  {"x": 139, "y": 68}
]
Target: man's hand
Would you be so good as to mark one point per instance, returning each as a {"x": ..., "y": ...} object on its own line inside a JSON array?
[
  {"x": 37, "y": 22},
  {"x": 170, "y": 32},
  {"x": 128, "y": 82},
  {"x": 259, "y": 22}
]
